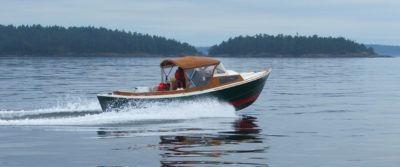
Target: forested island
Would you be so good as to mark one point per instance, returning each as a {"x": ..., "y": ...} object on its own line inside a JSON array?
[
  {"x": 264, "y": 45},
  {"x": 90, "y": 41}
]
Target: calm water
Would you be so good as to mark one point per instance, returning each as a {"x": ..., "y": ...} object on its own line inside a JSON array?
[{"x": 312, "y": 112}]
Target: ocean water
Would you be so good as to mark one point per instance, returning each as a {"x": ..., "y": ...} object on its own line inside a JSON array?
[{"x": 312, "y": 112}]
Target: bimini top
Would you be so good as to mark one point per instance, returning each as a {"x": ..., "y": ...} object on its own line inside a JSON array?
[{"x": 189, "y": 62}]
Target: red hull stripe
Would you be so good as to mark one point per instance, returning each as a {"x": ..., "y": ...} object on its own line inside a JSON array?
[{"x": 246, "y": 100}]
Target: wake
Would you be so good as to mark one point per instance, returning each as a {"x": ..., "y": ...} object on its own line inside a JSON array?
[{"x": 89, "y": 113}]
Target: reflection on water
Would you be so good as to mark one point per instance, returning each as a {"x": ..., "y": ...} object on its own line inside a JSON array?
[
  {"x": 221, "y": 148},
  {"x": 187, "y": 150}
]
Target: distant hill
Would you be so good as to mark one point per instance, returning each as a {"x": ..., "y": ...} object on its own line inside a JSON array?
[
  {"x": 56, "y": 40},
  {"x": 290, "y": 46},
  {"x": 389, "y": 50},
  {"x": 204, "y": 49}
]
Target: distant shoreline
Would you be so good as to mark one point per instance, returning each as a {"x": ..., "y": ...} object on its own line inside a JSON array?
[
  {"x": 264, "y": 55},
  {"x": 264, "y": 45},
  {"x": 98, "y": 55},
  {"x": 56, "y": 41},
  {"x": 347, "y": 55}
]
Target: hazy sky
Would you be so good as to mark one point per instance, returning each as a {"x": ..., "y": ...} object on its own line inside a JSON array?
[{"x": 208, "y": 22}]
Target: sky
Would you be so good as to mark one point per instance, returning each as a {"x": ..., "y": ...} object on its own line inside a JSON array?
[{"x": 209, "y": 22}]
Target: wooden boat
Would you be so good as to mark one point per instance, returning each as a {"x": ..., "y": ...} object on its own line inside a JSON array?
[{"x": 201, "y": 77}]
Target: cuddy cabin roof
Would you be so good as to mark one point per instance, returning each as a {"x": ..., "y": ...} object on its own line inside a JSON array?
[{"x": 189, "y": 62}]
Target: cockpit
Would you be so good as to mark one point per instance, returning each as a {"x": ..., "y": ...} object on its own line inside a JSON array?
[{"x": 190, "y": 71}]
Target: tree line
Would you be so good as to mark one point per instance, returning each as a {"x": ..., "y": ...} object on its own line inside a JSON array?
[
  {"x": 57, "y": 40},
  {"x": 288, "y": 45}
]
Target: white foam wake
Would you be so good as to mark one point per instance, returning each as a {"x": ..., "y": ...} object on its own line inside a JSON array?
[
  {"x": 155, "y": 111},
  {"x": 75, "y": 106}
]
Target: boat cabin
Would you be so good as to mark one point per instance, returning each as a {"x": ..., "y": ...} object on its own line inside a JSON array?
[{"x": 187, "y": 74}]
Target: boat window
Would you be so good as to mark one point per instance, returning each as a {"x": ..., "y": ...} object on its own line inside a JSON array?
[
  {"x": 220, "y": 69},
  {"x": 223, "y": 80},
  {"x": 199, "y": 76},
  {"x": 167, "y": 72}
]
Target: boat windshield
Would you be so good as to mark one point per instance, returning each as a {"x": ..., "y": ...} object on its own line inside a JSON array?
[
  {"x": 167, "y": 72},
  {"x": 220, "y": 70},
  {"x": 199, "y": 76}
]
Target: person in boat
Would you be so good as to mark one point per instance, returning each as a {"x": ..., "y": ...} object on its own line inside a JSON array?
[{"x": 180, "y": 79}]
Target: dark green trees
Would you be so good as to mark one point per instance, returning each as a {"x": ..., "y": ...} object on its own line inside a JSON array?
[
  {"x": 287, "y": 45},
  {"x": 56, "y": 40}
]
